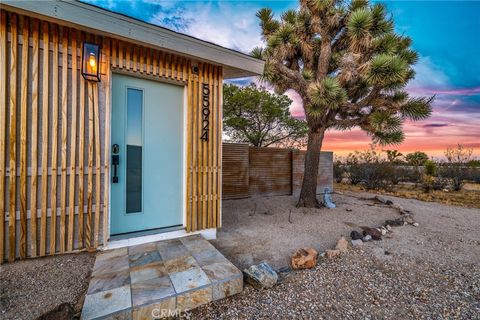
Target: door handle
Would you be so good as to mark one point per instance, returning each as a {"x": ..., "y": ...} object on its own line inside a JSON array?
[{"x": 115, "y": 162}]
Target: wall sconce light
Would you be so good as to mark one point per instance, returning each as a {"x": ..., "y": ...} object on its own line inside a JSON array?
[{"x": 91, "y": 62}]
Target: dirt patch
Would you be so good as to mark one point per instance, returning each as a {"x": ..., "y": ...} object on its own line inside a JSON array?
[
  {"x": 429, "y": 271},
  {"x": 272, "y": 229},
  {"x": 33, "y": 287}
]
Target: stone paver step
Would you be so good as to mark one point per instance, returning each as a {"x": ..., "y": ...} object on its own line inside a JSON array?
[{"x": 158, "y": 279}]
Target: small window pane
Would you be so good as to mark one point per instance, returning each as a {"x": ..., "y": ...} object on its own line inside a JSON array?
[
  {"x": 134, "y": 150},
  {"x": 134, "y": 117}
]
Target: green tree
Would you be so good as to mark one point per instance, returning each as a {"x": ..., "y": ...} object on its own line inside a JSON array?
[
  {"x": 348, "y": 66},
  {"x": 417, "y": 158},
  {"x": 261, "y": 118}
]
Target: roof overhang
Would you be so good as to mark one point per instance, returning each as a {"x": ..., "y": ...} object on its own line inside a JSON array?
[{"x": 94, "y": 19}]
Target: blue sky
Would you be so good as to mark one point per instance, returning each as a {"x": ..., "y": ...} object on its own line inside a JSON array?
[{"x": 446, "y": 34}]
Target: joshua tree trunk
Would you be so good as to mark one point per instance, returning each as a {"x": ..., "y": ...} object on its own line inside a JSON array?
[{"x": 308, "y": 194}]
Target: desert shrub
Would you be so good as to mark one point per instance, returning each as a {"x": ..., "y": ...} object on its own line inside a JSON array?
[
  {"x": 473, "y": 163},
  {"x": 430, "y": 167},
  {"x": 474, "y": 174},
  {"x": 408, "y": 174},
  {"x": 417, "y": 158},
  {"x": 455, "y": 174},
  {"x": 458, "y": 154},
  {"x": 430, "y": 183},
  {"x": 368, "y": 168},
  {"x": 338, "y": 171}
]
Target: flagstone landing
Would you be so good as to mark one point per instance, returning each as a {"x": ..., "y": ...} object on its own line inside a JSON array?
[{"x": 170, "y": 275}]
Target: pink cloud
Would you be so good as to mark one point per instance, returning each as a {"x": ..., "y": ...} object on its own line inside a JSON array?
[{"x": 447, "y": 126}]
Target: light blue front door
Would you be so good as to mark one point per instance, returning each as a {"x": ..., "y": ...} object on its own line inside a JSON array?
[{"x": 147, "y": 155}]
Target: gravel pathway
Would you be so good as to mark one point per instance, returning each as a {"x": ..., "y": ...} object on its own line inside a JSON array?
[
  {"x": 428, "y": 272},
  {"x": 33, "y": 287},
  {"x": 360, "y": 285}
]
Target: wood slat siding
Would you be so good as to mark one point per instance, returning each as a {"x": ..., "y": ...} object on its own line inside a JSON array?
[
  {"x": 250, "y": 171},
  {"x": 235, "y": 171},
  {"x": 55, "y": 136},
  {"x": 3, "y": 123}
]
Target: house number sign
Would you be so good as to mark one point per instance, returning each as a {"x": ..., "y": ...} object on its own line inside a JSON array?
[{"x": 205, "y": 111}]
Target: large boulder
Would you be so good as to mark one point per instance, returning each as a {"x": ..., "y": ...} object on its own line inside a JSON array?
[
  {"x": 261, "y": 276},
  {"x": 304, "y": 258}
]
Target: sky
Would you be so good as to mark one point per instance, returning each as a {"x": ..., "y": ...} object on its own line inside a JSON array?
[{"x": 446, "y": 34}]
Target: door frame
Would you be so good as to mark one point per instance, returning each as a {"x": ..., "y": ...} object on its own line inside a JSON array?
[{"x": 184, "y": 85}]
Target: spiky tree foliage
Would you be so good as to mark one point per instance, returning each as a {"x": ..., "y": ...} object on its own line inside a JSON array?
[{"x": 349, "y": 67}]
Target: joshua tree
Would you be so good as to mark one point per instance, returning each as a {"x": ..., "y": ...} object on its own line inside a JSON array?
[
  {"x": 393, "y": 156},
  {"x": 348, "y": 66}
]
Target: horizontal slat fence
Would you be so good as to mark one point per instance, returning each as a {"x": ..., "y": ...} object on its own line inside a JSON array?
[
  {"x": 251, "y": 171},
  {"x": 235, "y": 171},
  {"x": 270, "y": 171}
]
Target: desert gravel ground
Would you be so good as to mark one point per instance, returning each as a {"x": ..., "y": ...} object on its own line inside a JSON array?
[
  {"x": 33, "y": 287},
  {"x": 426, "y": 272},
  {"x": 430, "y": 272}
]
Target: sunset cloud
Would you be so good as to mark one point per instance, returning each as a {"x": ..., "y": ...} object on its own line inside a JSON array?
[{"x": 448, "y": 66}]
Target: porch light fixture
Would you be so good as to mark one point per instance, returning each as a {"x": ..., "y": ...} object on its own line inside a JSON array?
[{"x": 91, "y": 62}]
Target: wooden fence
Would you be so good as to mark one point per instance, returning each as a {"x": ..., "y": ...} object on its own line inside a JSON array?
[{"x": 251, "y": 171}]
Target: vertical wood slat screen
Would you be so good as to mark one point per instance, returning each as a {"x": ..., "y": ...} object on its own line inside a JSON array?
[
  {"x": 203, "y": 157},
  {"x": 42, "y": 119},
  {"x": 53, "y": 143}
]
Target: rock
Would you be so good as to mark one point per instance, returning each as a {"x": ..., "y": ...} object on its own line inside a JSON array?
[
  {"x": 355, "y": 235},
  {"x": 304, "y": 258},
  {"x": 367, "y": 238},
  {"x": 374, "y": 233},
  {"x": 389, "y": 228},
  {"x": 383, "y": 200},
  {"x": 383, "y": 231},
  {"x": 261, "y": 276},
  {"x": 357, "y": 243},
  {"x": 408, "y": 219},
  {"x": 396, "y": 222},
  {"x": 342, "y": 245},
  {"x": 400, "y": 208},
  {"x": 332, "y": 253},
  {"x": 348, "y": 209},
  {"x": 415, "y": 224}
]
